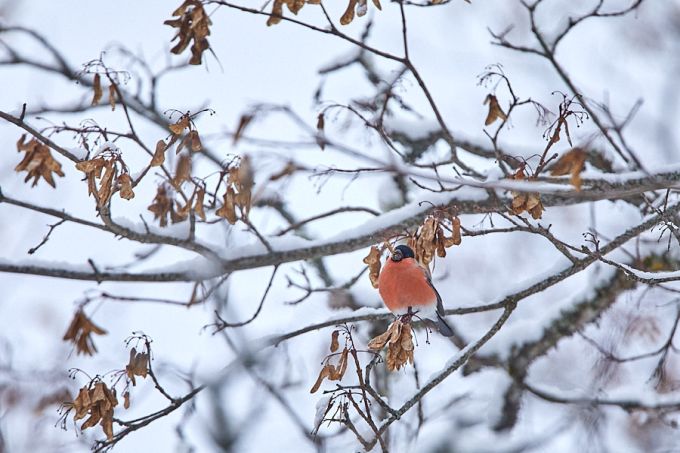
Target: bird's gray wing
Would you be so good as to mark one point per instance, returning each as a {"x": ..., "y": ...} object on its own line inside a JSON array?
[{"x": 444, "y": 328}]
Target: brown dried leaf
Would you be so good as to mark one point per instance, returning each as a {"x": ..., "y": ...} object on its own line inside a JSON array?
[
  {"x": 79, "y": 333},
  {"x": 97, "y": 89},
  {"x": 332, "y": 372},
  {"x": 572, "y": 163},
  {"x": 126, "y": 400},
  {"x": 518, "y": 203},
  {"x": 399, "y": 342},
  {"x": 107, "y": 424},
  {"x": 195, "y": 141},
  {"x": 400, "y": 352},
  {"x": 276, "y": 13},
  {"x": 161, "y": 205},
  {"x": 37, "y": 162},
  {"x": 534, "y": 205},
  {"x": 289, "y": 169},
  {"x": 373, "y": 261},
  {"x": 228, "y": 210},
  {"x": 426, "y": 241},
  {"x": 340, "y": 369},
  {"x": 183, "y": 170},
  {"x": 325, "y": 372},
  {"x": 441, "y": 243},
  {"x": 200, "y": 46},
  {"x": 522, "y": 201},
  {"x": 379, "y": 342},
  {"x": 105, "y": 191},
  {"x": 456, "y": 237},
  {"x": 242, "y": 125},
  {"x": 334, "y": 340},
  {"x": 295, "y": 5},
  {"x": 495, "y": 111},
  {"x": 99, "y": 393},
  {"x": 181, "y": 213},
  {"x": 348, "y": 16},
  {"x": 180, "y": 125},
  {"x": 88, "y": 166},
  {"x": 126, "y": 186},
  {"x": 137, "y": 366},
  {"x": 193, "y": 25},
  {"x": 391, "y": 335},
  {"x": 243, "y": 179},
  {"x": 93, "y": 168},
  {"x": 277, "y": 10},
  {"x": 406, "y": 339},
  {"x": 82, "y": 403},
  {"x": 320, "y": 124},
  {"x": 198, "y": 205},
  {"x": 112, "y": 97},
  {"x": 159, "y": 155},
  {"x": 23, "y": 145},
  {"x": 530, "y": 202},
  {"x": 95, "y": 416}
]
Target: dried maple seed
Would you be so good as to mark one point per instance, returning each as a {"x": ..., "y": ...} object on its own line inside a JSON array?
[
  {"x": 161, "y": 205},
  {"x": 348, "y": 16},
  {"x": 238, "y": 192},
  {"x": 287, "y": 170},
  {"x": 80, "y": 333},
  {"x": 430, "y": 238},
  {"x": 398, "y": 339},
  {"x": 97, "y": 401},
  {"x": 495, "y": 110},
  {"x": 228, "y": 210},
  {"x": 195, "y": 141},
  {"x": 571, "y": 163},
  {"x": 294, "y": 6},
  {"x": 178, "y": 127},
  {"x": 112, "y": 97},
  {"x": 334, "y": 340},
  {"x": 193, "y": 24},
  {"x": 137, "y": 366},
  {"x": 373, "y": 261},
  {"x": 104, "y": 168},
  {"x": 159, "y": 154},
  {"x": 198, "y": 205},
  {"x": 523, "y": 201},
  {"x": 183, "y": 170},
  {"x": 97, "y": 89},
  {"x": 125, "y": 183},
  {"x": 320, "y": 124},
  {"x": 126, "y": 400},
  {"x": 242, "y": 125},
  {"x": 37, "y": 162},
  {"x": 332, "y": 372}
]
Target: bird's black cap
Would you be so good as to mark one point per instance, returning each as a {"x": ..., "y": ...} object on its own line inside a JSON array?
[{"x": 401, "y": 252}]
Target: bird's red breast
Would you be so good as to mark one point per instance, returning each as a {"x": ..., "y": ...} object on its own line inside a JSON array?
[{"x": 403, "y": 284}]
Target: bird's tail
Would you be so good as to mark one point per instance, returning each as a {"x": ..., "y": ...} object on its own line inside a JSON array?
[{"x": 443, "y": 327}]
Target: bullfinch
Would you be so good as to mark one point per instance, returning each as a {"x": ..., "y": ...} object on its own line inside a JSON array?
[{"x": 406, "y": 288}]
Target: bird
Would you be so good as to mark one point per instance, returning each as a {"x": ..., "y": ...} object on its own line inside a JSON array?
[{"x": 406, "y": 289}]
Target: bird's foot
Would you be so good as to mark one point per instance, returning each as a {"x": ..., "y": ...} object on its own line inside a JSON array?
[{"x": 408, "y": 317}]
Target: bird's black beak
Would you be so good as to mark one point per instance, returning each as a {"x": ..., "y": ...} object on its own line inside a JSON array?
[{"x": 397, "y": 256}]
